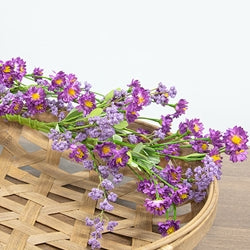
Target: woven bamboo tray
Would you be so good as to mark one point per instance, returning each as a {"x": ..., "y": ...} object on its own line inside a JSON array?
[{"x": 44, "y": 201}]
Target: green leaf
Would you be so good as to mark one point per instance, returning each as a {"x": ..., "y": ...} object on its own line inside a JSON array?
[
  {"x": 138, "y": 147},
  {"x": 74, "y": 113},
  {"x": 121, "y": 125},
  {"x": 95, "y": 112},
  {"x": 117, "y": 138},
  {"x": 109, "y": 96}
]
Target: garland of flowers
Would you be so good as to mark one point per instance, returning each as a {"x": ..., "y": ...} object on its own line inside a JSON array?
[{"x": 94, "y": 127}]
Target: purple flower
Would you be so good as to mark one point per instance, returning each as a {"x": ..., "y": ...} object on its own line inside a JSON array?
[
  {"x": 215, "y": 155},
  {"x": 37, "y": 73},
  {"x": 240, "y": 155},
  {"x": 118, "y": 177},
  {"x": 162, "y": 94},
  {"x": 34, "y": 96},
  {"x": 106, "y": 149},
  {"x": 203, "y": 176},
  {"x": 111, "y": 225},
  {"x": 61, "y": 141},
  {"x": 235, "y": 139},
  {"x": 196, "y": 127},
  {"x": 141, "y": 96},
  {"x": 200, "y": 146},
  {"x": 78, "y": 153},
  {"x": 157, "y": 207},
  {"x": 120, "y": 158},
  {"x": 132, "y": 112},
  {"x": 107, "y": 184},
  {"x": 20, "y": 68},
  {"x": 180, "y": 108},
  {"x": 181, "y": 194},
  {"x": 147, "y": 187},
  {"x": 134, "y": 83},
  {"x": 88, "y": 164},
  {"x": 113, "y": 116},
  {"x": 86, "y": 103},
  {"x": 216, "y": 138},
  {"x": 171, "y": 174},
  {"x": 70, "y": 92},
  {"x": 89, "y": 222},
  {"x": 104, "y": 171},
  {"x": 166, "y": 122},
  {"x": 168, "y": 227},
  {"x": 94, "y": 243},
  {"x": 132, "y": 139},
  {"x": 105, "y": 205},
  {"x": 87, "y": 86},
  {"x": 96, "y": 194},
  {"x": 172, "y": 149},
  {"x": 58, "y": 81},
  {"x": 112, "y": 197}
]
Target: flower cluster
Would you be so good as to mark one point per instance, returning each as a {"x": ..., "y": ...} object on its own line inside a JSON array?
[{"x": 95, "y": 128}]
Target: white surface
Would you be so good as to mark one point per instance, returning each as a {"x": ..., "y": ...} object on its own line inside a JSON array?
[{"x": 201, "y": 47}]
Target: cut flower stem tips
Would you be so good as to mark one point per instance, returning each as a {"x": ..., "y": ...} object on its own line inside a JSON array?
[{"x": 95, "y": 128}]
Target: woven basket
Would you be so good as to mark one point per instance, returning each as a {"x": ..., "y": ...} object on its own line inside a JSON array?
[{"x": 44, "y": 201}]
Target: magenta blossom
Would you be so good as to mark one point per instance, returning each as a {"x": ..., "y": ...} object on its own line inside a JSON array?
[
  {"x": 168, "y": 227},
  {"x": 78, "y": 153},
  {"x": 86, "y": 103},
  {"x": 235, "y": 139},
  {"x": 157, "y": 207},
  {"x": 106, "y": 149}
]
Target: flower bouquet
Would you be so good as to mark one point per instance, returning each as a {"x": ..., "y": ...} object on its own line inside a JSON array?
[{"x": 106, "y": 135}]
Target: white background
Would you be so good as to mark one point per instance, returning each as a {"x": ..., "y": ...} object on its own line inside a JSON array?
[{"x": 201, "y": 47}]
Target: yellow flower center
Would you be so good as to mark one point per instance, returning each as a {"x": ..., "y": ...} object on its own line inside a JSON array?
[
  {"x": 79, "y": 154},
  {"x": 216, "y": 158},
  {"x": 174, "y": 175},
  {"x": 240, "y": 151},
  {"x": 118, "y": 160},
  {"x": 140, "y": 100},
  {"x": 21, "y": 69},
  {"x": 196, "y": 128},
  {"x": 39, "y": 106},
  {"x": 204, "y": 146},
  {"x": 88, "y": 103},
  {"x": 16, "y": 107},
  {"x": 236, "y": 139},
  {"x": 105, "y": 149},
  {"x": 6, "y": 69},
  {"x": 166, "y": 94},
  {"x": 170, "y": 230},
  {"x": 183, "y": 196},
  {"x": 35, "y": 96},
  {"x": 71, "y": 92},
  {"x": 58, "y": 81}
]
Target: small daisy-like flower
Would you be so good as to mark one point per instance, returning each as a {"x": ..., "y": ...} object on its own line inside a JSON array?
[
  {"x": 35, "y": 95},
  {"x": 171, "y": 174},
  {"x": 58, "y": 81},
  {"x": 235, "y": 139},
  {"x": 120, "y": 158},
  {"x": 141, "y": 96},
  {"x": 168, "y": 227},
  {"x": 238, "y": 155},
  {"x": 86, "y": 102},
  {"x": 180, "y": 108},
  {"x": 196, "y": 127},
  {"x": 106, "y": 149},
  {"x": 157, "y": 207},
  {"x": 70, "y": 92},
  {"x": 78, "y": 153}
]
